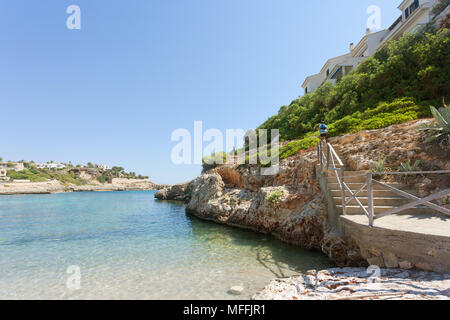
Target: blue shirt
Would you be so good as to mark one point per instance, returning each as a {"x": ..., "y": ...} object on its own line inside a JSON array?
[{"x": 323, "y": 128}]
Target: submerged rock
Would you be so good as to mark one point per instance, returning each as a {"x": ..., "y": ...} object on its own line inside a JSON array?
[{"x": 236, "y": 290}]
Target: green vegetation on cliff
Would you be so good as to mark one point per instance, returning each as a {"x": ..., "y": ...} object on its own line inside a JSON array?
[
  {"x": 396, "y": 84},
  {"x": 70, "y": 175},
  {"x": 40, "y": 175}
]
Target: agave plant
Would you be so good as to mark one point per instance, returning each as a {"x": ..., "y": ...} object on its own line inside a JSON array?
[
  {"x": 408, "y": 167},
  {"x": 440, "y": 131},
  {"x": 379, "y": 166}
]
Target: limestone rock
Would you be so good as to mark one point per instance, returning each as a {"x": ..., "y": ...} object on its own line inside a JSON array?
[
  {"x": 390, "y": 260},
  {"x": 354, "y": 284},
  {"x": 424, "y": 266},
  {"x": 177, "y": 192},
  {"x": 236, "y": 290},
  {"x": 405, "y": 265}
]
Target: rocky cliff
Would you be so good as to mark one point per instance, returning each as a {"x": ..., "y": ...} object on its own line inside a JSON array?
[{"x": 290, "y": 204}]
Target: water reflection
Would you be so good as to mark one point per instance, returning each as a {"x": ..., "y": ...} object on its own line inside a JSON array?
[{"x": 281, "y": 259}]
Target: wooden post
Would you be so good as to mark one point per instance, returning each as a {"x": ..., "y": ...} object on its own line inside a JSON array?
[
  {"x": 370, "y": 198},
  {"x": 341, "y": 174}
]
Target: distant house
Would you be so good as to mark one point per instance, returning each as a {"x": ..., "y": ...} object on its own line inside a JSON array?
[
  {"x": 2, "y": 172},
  {"x": 102, "y": 167},
  {"x": 50, "y": 165},
  {"x": 13, "y": 166},
  {"x": 415, "y": 14}
]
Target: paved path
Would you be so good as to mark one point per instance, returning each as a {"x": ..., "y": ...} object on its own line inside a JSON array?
[{"x": 418, "y": 223}]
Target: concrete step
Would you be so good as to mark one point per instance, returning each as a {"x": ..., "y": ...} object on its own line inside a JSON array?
[
  {"x": 376, "y": 193},
  {"x": 348, "y": 179},
  {"x": 349, "y": 173},
  {"x": 355, "y": 210},
  {"x": 333, "y": 185},
  {"x": 377, "y": 201}
]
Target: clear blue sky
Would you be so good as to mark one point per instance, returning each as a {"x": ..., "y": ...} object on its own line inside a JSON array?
[{"x": 114, "y": 91}]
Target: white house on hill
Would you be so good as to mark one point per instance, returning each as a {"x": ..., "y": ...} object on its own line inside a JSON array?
[
  {"x": 50, "y": 165},
  {"x": 13, "y": 166},
  {"x": 2, "y": 172},
  {"x": 415, "y": 14},
  {"x": 102, "y": 167},
  {"x": 335, "y": 68}
]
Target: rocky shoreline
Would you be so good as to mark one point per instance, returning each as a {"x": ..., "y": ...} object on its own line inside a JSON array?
[
  {"x": 359, "y": 284},
  {"x": 291, "y": 205},
  {"x": 54, "y": 186},
  {"x": 237, "y": 197}
]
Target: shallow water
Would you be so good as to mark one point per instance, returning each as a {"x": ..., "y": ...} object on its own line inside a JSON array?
[{"x": 127, "y": 245}]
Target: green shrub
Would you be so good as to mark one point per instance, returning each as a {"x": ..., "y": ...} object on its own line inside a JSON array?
[
  {"x": 387, "y": 119},
  {"x": 104, "y": 179},
  {"x": 274, "y": 197},
  {"x": 26, "y": 174},
  {"x": 293, "y": 147}
]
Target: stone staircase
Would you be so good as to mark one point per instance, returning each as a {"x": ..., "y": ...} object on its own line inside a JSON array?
[{"x": 383, "y": 199}]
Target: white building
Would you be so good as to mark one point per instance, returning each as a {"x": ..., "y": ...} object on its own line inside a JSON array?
[
  {"x": 338, "y": 67},
  {"x": 14, "y": 166},
  {"x": 2, "y": 172},
  {"x": 50, "y": 165},
  {"x": 102, "y": 167},
  {"x": 415, "y": 14}
]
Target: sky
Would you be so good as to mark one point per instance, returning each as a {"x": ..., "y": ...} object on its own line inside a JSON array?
[{"x": 115, "y": 90}]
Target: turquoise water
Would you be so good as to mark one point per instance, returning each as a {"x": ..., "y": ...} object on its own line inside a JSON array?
[{"x": 127, "y": 245}]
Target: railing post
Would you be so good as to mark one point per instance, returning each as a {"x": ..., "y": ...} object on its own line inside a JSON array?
[
  {"x": 341, "y": 174},
  {"x": 370, "y": 198},
  {"x": 328, "y": 156},
  {"x": 319, "y": 151}
]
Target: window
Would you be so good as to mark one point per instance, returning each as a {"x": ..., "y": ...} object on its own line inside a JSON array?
[
  {"x": 406, "y": 13},
  {"x": 306, "y": 90},
  {"x": 328, "y": 72},
  {"x": 414, "y": 6}
]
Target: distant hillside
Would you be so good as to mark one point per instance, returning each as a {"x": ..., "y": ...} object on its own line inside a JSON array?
[{"x": 69, "y": 174}]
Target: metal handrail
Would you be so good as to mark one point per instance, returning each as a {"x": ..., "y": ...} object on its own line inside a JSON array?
[{"x": 331, "y": 158}]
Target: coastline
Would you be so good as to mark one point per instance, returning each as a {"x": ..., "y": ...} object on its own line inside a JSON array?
[{"x": 54, "y": 186}]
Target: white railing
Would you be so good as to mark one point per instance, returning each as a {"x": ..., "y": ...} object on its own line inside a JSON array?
[{"x": 330, "y": 162}]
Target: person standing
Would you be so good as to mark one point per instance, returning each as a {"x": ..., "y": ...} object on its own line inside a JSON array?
[{"x": 323, "y": 131}]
